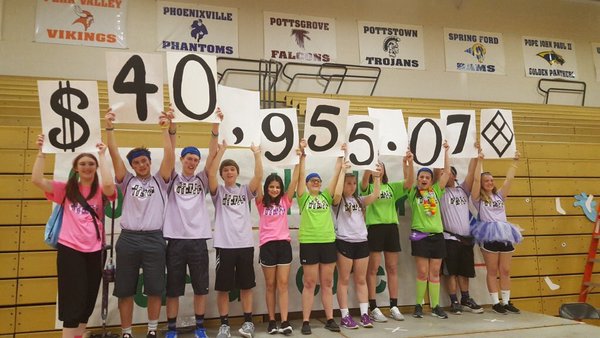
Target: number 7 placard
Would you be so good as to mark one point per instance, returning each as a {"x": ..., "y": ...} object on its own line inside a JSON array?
[{"x": 461, "y": 132}]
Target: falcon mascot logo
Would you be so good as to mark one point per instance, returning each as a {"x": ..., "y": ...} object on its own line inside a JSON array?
[
  {"x": 84, "y": 17},
  {"x": 300, "y": 35},
  {"x": 551, "y": 57},
  {"x": 478, "y": 51}
]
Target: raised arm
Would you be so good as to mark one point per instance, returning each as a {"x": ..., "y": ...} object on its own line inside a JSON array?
[
  {"x": 364, "y": 183},
  {"x": 113, "y": 149},
  {"x": 446, "y": 172},
  {"x": 108, "y": 182},
  {"x": 476, "y": 187},
  {"x": 510, "y": 175},
  {"x": 372, "y": 197},
  {"x": 168, "y": 161},
  {"x": 37, "y": 173},
  {"x": 254, "y": 184},
  {"x": 339, "y": 184},
  {"x": 408, "y": 169},
  {"x": 301, "y": 187},
  {"x": 468, "y": 182},
  {"x": 213, "y": 182},
  {"x": 336, "y": 174},
  {"x": 291, "y": 190},
  {"x": 212, "y": 144}
]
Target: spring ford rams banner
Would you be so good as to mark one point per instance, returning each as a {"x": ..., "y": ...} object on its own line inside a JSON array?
[
  {"x": 474, "y": 51},
  {"x": 596, "y": 57},
  {"x": 197, "y": 28},
  {"x": 298, "y": 38},
  {"x": 549, "y": 58},
  {"x": 96, "y": 23},
  {"x": 391, "y": 45}
]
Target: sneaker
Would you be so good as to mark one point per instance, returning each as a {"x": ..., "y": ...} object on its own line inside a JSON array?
[
  {"x": 377, "y": 316},
  {"x": 418, "y": 311},
  {"x": 272, "y": 328},
  {"x": 200, "y": 332},
  {"x": 127, "y": 335},
  {"x": 152, "y": 334},
  {"x": 510, "y": 308},
  {"x": 171, "y": 334},
  {"x": 224, "y": 331},
  {"x": 306, "y": 328},
  {"x": 395, "y": 313},
  {"x": 470, "y": 305},
  {"x": 366, "y": 321},
  {"x": 456, "y": 308},
  {"x": 332, "y": 326},
  {"x": 286, "y": 328},
  {"x": 438, "y": 312},
  {"x": 499, "y": 308},
  {"x": 348, "y": 322},
  {"x": 247, "y": 330}
]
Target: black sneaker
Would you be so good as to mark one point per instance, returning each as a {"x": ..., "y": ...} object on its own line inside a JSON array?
[
  {"x": 418, "y": 311},
  {"x": 510, "y": 308},
  {"x": 152, "y": 334},
  {"x": 456, "y": 308},
  {"x": 439, "y": 312},
  {"x": 286, "y": 328},
  {"x": 272, "y": 329},
  {"x": 470, "y": 305},
  {"x": 499, "y": 308},
  {"x": 306, "y": 328},
  {"x": 332, "y": 326}
]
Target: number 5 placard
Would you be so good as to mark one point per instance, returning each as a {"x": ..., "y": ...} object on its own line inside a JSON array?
[
  {"x": 363, "y": 145},
  {"x": 325, "y": 126}
]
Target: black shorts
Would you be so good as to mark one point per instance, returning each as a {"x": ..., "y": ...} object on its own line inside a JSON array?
[
  {"x": 384, "y": 237},
  {"x": 275, "y": 253},
  {"x": 498, "y": 247},
  {"x": 190, "y": 253},
  {"x": 459, "y": 260},
  {"x": 432, "y": 246},
  {"x": 235, "y": 269},
  {"x": 352, "y": 250},
  {"x": 314, "y": 253}
]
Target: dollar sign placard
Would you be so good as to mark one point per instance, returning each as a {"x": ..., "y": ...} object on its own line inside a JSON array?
[{"x": 70, "y": 116}]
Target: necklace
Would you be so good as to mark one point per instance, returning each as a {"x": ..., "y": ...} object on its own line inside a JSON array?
[{"x": 429, "y": 201}]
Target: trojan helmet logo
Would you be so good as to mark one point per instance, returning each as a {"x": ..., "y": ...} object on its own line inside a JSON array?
[
  {"x": 198, "y": 30},
  {"x": 84, "y": 17},
  {"x": 551, "y": 57},
  {"x": 300, "y": 35},
  {"x": 478, "y": 51},
  {"x": 391, "y": 45}
]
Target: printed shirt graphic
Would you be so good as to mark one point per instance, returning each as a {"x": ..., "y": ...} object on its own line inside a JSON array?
[
  {"x": 233, "y": 227},
  {"x": 143, "y": 202},
  {"x": 273, "y": 222},
  {"x": 186, "y": 215},
  {"x": 383, "y": 210},
  {"x": 420, "y": 220},
  {"x": 455, "y": 211},
  {"x": 492, "y": 211},
  {"x": 349, "y": 220},
  {"x": 78, "y": 231},
  {"x": 316, "y": 222}
]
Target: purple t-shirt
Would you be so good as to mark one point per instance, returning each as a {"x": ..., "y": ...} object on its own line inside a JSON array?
[
  {"x": 455, "y": 211},
  {"x": 492, "y": 211},
  {"x": 186, "y": 216},
  {"x": 349, "y": 218},
  {"x": 233, "y": 227},
  {"x": 143, "y": 202},
  {"x": 273, "y": 222}
]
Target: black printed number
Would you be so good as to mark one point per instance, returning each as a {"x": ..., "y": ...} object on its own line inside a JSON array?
[
  {"x": 177, "y": 85},
  {"x": 287, "y": 135},
  {"x": 465, "y": 120},
  {"x": 138, "y": 86},
  {"x": 438, "y": 142},
  {"x": 315, "y": 122},
  {"x": 354, "y": 135}
]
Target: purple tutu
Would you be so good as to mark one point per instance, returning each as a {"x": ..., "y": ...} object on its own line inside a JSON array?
[{"x": 496, "y": 232}]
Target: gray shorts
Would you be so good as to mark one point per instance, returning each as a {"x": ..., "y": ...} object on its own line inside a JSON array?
[
  {"x": 190, "y": 253},
  {"x": 135, "y": 250}
]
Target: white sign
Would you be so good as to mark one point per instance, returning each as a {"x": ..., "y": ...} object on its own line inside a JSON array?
[
  {"x": 240, "y": 126},
  {"x": 393, "y": 139},
  {"x": 550, "y": 58},
  {"x": 497, "y": 136},
  {"x": 596, "y": 57},
  {"x": 325, "y": 126},
  {"x": 135, "y": 86},
  {"x": 299, "y": 38},
  {"x": 474, "y": 51},
  {"x": 70, "y": 113},
  {"x": 391, "y": 45},
  {"x": 362, "y": 142},
  {"x": 197, "y": 28},
  {"x": 83, "y": 23},
  {"x": 461, "y": 132},
  {"x": 426, "y": 139},
  {"x": 192, "y": 86},
  {"x": 279, "y": 136}
]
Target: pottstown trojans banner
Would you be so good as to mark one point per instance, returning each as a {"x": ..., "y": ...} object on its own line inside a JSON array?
[
  {"x": 391, "y": 45},
  {"x": 474, "y": 51},
  {"x": 549, "y": 58},
  {"x": 596, "y": 56},
  {"x": 298, "y": 38},
  {"x": 82, "y": 22},
  {"x": 197, "y": 28}
]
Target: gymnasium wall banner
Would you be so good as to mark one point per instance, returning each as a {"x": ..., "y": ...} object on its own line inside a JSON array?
[
  {"x": 299, "y": 38},
  {"x": 391, "y": 45},
  {"x": 197, "y": 28},
  {"x": 83, "y": 23},
  {"x": 596, "y": 57},
  {"x": 474, "y": 51},
  {"x": 548, "y": 57}
]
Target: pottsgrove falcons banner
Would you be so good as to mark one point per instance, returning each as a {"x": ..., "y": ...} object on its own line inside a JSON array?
[
  {"x": 474, "y": 51},
  {"x": 391, "y": 45},
  {"x": 549, "y": 58},
  {"x": 96, "y": 23},
  {"x": 596, "y": 57},
  {"x": 197, "y": 28},
  {"x": 298, "y": 38}
]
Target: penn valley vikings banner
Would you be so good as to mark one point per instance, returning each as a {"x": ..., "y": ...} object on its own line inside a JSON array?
[
  {"x": 391, "y": 45},
  {"x": 298, "y": 38},
  {"x": 596, "y": 57},
  {"x": 197, "y": 28},
  {"x": 549, "y": 58},
  {"x": 83, "y": 22},
  {"x": 474, "y": 51}
]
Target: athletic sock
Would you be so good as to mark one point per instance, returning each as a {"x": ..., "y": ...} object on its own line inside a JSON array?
[
  {"x": 172, "y": 324},
  {"x": 421, "y": 288},
  {"x": 225, "y": 320},
  {"x": 364, "y": 308},
  {"x": 393, "y": 302},
  {"x": 464, "y": 296},
  {"x": 372, "y": 304},
  {"x": 505, "y": 296},
  {"x": 199, "y": 321},
  {"x": 434, "y": 293},
  {"x": 453, "y": 298},
  {"x": 344, "y": 312},
  {"x": 495, "y": 299},
  {"x": 248, "y": 317}
]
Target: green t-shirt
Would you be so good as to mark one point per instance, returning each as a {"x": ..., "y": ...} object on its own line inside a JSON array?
[
  {"x": 421, "y": 206},
  {"x": 383, "y": 210},
  {"x": 316, "y": 222}
]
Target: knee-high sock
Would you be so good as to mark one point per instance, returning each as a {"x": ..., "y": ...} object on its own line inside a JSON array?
[
  {"x": 434, "y": 293},
  {"x": 421, "y": 288}
]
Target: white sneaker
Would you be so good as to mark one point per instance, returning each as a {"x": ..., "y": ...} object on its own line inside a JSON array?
[
  {"x": 247, "y": 330},
  {"x": 377, "y": 316},
  {"x": 395, "y": 313}
]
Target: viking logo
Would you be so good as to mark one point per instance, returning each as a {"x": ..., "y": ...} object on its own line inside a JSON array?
[
  {"x": 551, "y": 57},
  {"x": 85, "y": 18},
  {"x": 198, "y": 30},
  {"x": 300, "y": 35},
  {"x": 391, "y": 45},
  {"x": 478, "y": 51}
]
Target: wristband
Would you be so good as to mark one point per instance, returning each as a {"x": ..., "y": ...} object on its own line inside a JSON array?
[
  {"x": 172, "y": 132},
  {"x": 212, "y": 133},
  {"x": 109, "y": 129}
]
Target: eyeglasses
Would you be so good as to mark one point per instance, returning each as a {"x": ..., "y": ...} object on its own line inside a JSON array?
[{"x": 314, "y": 180}]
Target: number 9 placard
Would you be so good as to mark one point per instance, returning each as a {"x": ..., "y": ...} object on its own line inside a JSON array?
[{"x": 279, "y": 136}]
